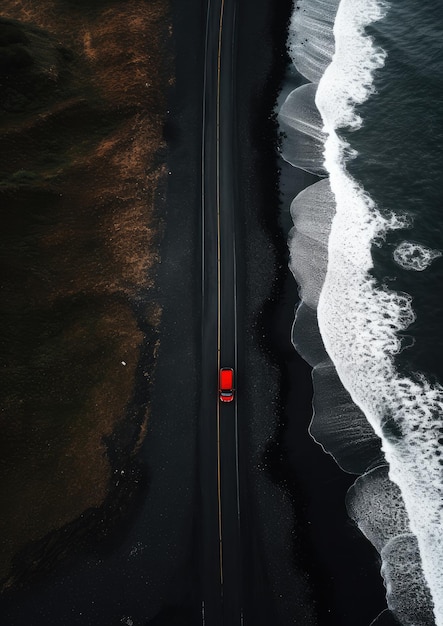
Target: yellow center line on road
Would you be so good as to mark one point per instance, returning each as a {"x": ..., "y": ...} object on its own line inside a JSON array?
[{"x": 220, "y": 530}]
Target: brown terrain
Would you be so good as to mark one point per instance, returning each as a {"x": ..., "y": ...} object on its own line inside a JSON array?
[{"x": 82, "y": 96}]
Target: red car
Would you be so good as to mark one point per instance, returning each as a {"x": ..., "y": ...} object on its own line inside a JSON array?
[{"x": 226, "y": 384}]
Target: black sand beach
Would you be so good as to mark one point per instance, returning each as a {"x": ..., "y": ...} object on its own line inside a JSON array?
[
  {"x": 325, "y": 556},
  {"x": 317, "y": 567}
]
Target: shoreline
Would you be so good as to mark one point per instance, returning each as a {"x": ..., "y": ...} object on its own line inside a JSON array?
[{"x": 343, "y": 565}]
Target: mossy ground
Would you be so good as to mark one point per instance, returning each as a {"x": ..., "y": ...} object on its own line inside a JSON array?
[{"x": 83, "y": 107}]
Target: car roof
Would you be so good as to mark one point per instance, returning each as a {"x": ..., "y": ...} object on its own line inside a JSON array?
[{"x": 226, "y": 376}]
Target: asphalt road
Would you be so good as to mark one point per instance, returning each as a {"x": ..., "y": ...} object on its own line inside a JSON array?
[
  {"x": 235, "y": 585},
  {"x": 221, "y": 549}
]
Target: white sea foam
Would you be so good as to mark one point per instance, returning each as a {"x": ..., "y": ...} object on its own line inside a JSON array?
[
  {"x": 311, "y": 41},
  {"x": 406, "y": 590},
  {"x": 312, "y": 212},
  {"x": 414, "y": 256},
  {"x": 301, "y": 123},
  {"x": 376, "y": 505},
  {"x": 359, "y": 320},
  {"x": 301, "y": 113},
  {"x": 338, "y": 425},
  {"x": 306, "y": 336}
]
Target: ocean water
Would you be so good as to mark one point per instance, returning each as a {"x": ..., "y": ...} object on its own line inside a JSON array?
[{"x": 366, "y": 251}]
